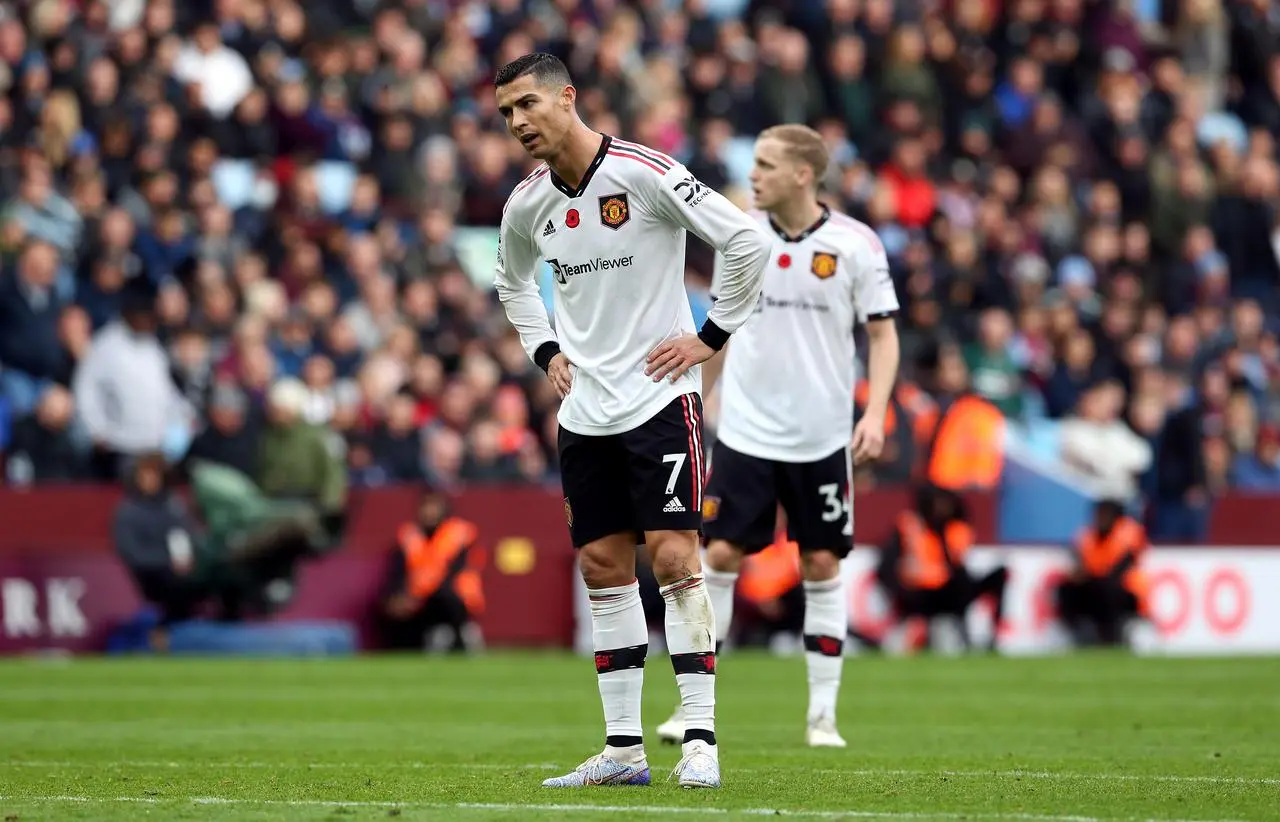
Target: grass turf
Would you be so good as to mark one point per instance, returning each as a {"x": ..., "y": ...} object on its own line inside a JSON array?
[{"x": 1068, "y": 739}]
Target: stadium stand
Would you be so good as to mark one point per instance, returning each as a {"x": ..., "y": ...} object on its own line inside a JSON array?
[{"x": 1079, "y": 199}]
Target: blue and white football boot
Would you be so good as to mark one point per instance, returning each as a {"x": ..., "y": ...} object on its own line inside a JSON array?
[
  {"x": 602, "y": 770},
  {"x": 700, "y": 767}
]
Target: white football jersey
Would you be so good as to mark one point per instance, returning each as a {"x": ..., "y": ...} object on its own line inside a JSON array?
[
  {"x": 616, "y": 247},
  {"x": 788, "y": 380}
]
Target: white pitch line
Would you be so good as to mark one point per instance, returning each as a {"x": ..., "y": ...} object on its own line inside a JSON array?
[
  {"x": 337, "y": 766},
  {"x": 526, "y": 807},
  {"x": 1064, "y": 776},
  {"x": 1058, "y": 775}
]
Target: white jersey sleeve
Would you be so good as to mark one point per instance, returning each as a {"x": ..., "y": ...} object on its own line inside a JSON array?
[
  {"x": 873, "y": 293},
  {"x": 741, "y": 244},
  {"x": 516, "y": 281}
]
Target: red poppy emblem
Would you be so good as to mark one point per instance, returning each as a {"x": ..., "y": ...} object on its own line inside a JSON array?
[
  {"x": 784, "y": 261},
  {"x": 571, "y": 219}
]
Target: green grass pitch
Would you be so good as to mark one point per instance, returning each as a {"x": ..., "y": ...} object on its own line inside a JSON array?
[{"x": 1065, "y": 739}]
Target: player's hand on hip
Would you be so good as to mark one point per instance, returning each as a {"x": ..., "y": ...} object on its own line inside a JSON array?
[
  {"x": 560, "y": 375},
  {"x": 868, "y": 440},
  {"x": 676, "y": 356}
]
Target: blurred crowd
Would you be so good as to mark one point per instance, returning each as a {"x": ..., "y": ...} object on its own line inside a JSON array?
[{"x": 1078, "y": 197}]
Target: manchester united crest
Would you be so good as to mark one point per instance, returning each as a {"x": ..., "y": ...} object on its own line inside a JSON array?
[
  {"x": 568, "y": 512},
  {"x": 614, "y": 210},
  {"x": 824, "y": 265},
  {"x": 710, "y": 508}
]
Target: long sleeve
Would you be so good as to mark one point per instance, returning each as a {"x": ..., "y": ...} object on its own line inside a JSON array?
[
  {"x": 743, "y": 246},
  {"x": 515, "y": 278},
  {"x": 1131, "y": 451},
  {"x": 90, "y": 403},
  {"x": 333, "y": 480}
]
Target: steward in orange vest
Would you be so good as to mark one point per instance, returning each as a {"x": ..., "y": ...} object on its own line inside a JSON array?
[
  {"x": 967, "y": 450},
  {"x": 909, "y": 424},
  {"x": 772, "y": 584},
  {"x": 1108, "y": 588},
  {"x": 922, "y": 567},
  {"x": 433, "y": 592}
]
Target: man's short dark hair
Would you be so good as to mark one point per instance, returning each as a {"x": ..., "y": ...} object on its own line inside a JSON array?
[{"x": 546, "y": 69}]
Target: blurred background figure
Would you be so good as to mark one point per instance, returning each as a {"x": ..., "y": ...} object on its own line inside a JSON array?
[
  {"x": 432, "y": 595},
  {"x": 303, "y": 463},
  {"x": 1099, "y": 444},
  {"x": 43, "y": 447},
  {"x": 1259, "y": 471},
  {"x": 1106, "y": 592},
  {"x": 771, "y": 587},
  {"x": 125, "y": 391},
  {"x": 922, "y": 570},
  {"x": 233, "y": 434},
  {"x": 161, "y": 544}
]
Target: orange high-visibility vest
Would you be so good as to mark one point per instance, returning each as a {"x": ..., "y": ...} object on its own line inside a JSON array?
[
  {"x": 918, "y": 406},
  {"x": 1099, "y": 556},
  {"x": 924, "y": 556},
  {"x": 427, "y": 561},
  {"x": 968, "y": 447},
  {"x": 772, "y": 572}
]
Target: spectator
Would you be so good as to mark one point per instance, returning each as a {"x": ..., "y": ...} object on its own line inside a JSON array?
[
  {"x": 233, "y": 435},
  {"x": 1098, "y": 444},
  {"x": 1107, "y": 589},
  {"x": 42, "y": 447},
  {"x": 922, "y": 569},
  {"x": 432, "y": 594},
  {"x": 300, "y": 462},
  {"x": 43, "y": 213},
  {"x": 395, "y": 445},
  {"x": 159, "y": 542},
  {"x": 1179, "y": 509},
  {"x": 30, "y": 355},
  {"x": 217, "y": 77},
  {"x": 1074, "y": 373},
  {"x": 124, "y": 391},
  {"x": 992, "y": 370},
  {"x": 1259, "y": 471}
]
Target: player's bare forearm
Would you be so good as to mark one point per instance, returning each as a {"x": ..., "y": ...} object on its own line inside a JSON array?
[
  {"x": 868, "y": 434},
  {"x": 882, "y": 362}
]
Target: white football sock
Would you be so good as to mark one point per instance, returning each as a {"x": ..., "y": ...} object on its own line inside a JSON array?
[
  {"x": 826, "y": 623},
  {"x": 691, "y": 631},
  {"x": 720, "y": 587},
  {"x": 621, "y": 641}
]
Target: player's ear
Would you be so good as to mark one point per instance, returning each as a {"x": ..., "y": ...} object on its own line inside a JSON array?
[
  {"x": 804, "y": 175},
  {"x": 568, "y": 97}
]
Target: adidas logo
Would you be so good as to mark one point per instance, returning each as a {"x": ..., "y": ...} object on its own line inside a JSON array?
[
  {"x": 674, "y": 506},
  {"x": 549, "y": 230}
]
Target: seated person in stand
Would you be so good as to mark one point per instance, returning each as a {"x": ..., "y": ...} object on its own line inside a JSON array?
[
  {"x": 433, "y": 594},
  {"x": 1099, "y": 602},
  {"x": 923, "y": 572}
]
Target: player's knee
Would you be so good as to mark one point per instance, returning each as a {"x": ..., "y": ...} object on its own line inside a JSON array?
[
  {"x": 724, "y": 557},
  {"x": 674, "y": 555},
  {"x": 818, "y": 566}
]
